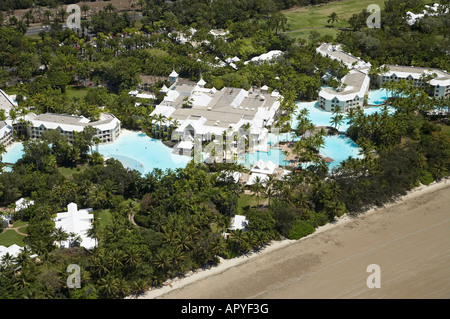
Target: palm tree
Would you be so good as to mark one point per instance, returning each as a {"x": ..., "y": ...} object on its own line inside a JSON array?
[
  {"x": 61, "y": 235},
  {"x": 48, "y": 14},
  {"x": 160, "y": 118},
  {"x": 337, "y": 120},
  {"x": 257, "y": 187},
  {"x": 333, "y": 17},
  {"x": 85, "y": 8},
  {"x": 94, "y": 232}
]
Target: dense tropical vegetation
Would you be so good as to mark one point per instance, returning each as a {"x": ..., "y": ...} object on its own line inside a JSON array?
[{"x": 154, "y": 227}]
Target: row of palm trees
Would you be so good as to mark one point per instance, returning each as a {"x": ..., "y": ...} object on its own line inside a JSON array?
[{"x": 160, "y": 126}]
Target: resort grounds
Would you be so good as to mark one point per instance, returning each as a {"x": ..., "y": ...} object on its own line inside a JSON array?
[{"x": 408, "y": 239}]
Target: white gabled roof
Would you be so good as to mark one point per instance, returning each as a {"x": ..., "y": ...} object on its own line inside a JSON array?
[
  {"x": 13, "y": 250},
  {"x": 238, "y": 222},
  {"x": 264, "y": 167},
  {"x": 164, "y": 89},
  {"x": 201, "y": 82},
  {"x": 173, "y": 74},
  {"x": 78, "y": 222}
]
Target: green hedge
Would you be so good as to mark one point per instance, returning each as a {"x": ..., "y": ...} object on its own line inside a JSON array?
[{"x": 299, "y": 229}]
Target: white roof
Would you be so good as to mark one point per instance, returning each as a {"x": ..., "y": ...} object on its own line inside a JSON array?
[
  {"x": 349, "y": 92},
  {"x": 23, "y": 203},
  {"x": 264, "y": 167},
  {"x": 13, "y": 250},
  {"x": 186, "y": 145},
  {"x": 173, "y": 74},
  {"x": 201, "y": 82},
  {"x": 164, "y": 89},
  {"x": 146, "y": 96},
  {"x": 5, "y": 128},
  {"x": 253, "y": 176},
  {"x": 71, "y": 123},
  {"x": 234, "y": 175},
  {"x": 265, "y": 56},
  {"x": 238, "y": 222},
  {"x": 78, "y": 222}
]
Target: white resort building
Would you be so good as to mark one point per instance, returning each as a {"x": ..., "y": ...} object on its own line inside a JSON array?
[
  {"x": 6, "y": 133},
  {"x": 77, "y": 222},
  {"x": 355, "y": 84},
  {"x": 356, "y": 87},
  {"x": 6, "y": 102},
  {"x": 438, "y": 80},
  {"x": 108, "y": 126},
  {"x": 206, "y": 113}
]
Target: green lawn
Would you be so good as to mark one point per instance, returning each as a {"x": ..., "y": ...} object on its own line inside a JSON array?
[
  {"x": 248, "y": 200},
  {"x": 317, "y": 16},
  {"x": 304, "y": 34},
  {"x": 10, "y": 237},
  {"x": 445, "y": 129},
  {"x": 76, "y": 92},
  {"x": 104, "y": 216},
  {"x": 67, "y": 172}
]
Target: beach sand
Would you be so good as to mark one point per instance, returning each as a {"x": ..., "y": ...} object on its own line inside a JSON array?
[{"x": 409, "y": 240}]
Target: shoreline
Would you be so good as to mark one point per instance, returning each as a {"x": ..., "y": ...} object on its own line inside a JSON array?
[{"x": 191, "y": 277}]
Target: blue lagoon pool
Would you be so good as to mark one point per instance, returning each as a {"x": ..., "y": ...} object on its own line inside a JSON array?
[
  {"x": 137, "y": 151},
  {"x": 134, "y": 150}
]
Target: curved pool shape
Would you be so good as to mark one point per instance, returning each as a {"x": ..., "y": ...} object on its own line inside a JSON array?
[
  {"x": 377, "y": 97},
  {"x": 137, "y": 151},
  {"x": 13, "y": 153},
  {"x": 339, "y": 148},
  {"x": 133, "y": 149}
]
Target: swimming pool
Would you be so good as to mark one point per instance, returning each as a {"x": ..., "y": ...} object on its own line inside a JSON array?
[
  {"x": 339, "y": 148},
  {"x": 135, "y": 150},
  {"x": 13, "y": 153},
  {"x": 378, "y": 97},
  {"x": 274, "y": 154}
]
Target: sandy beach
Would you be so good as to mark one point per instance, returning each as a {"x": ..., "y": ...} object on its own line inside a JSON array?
[{"x": 409, "y": 240}]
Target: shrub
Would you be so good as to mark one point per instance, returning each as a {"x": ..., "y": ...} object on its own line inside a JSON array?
[
  {"x": 426, "y": 177},
  {"x": 299, "y": 229}
]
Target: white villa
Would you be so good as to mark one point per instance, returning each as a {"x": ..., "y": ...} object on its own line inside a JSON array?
[
  {"x": 78, "y": 222},
  {"x": 13, "y": 250},
  {"x": 206, "y": 113},
  {"x": 239, "y": 222},
  {"x": 440, "y": 80},
  {"x": 261, "y": 170}
]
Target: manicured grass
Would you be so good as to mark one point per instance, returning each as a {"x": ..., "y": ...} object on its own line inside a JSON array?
[
  {"x": 20, "y": 224},
  {"x": 68, "y": 172},
  {"x": 76, "y": 92},
  {"x": 11, "y": 237},
  {"x": 317, "y": 16},
  {"x": 445, "y": 129},
  {"x": 304, "y": 34},
  {"x": 248, "y": 200},
  {"x": 104, "y": 216}
]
